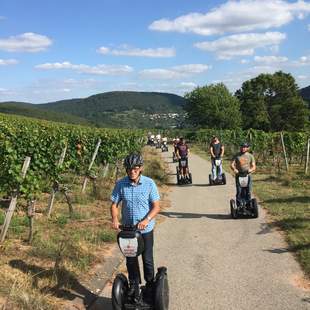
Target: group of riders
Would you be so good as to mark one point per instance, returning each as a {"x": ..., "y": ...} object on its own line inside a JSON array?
[{"x": 140, "y": 198}]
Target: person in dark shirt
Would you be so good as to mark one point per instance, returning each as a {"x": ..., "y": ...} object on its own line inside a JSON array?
[
  {"x": 182, "y": 154},
  {"x": 217, "y": 152}
]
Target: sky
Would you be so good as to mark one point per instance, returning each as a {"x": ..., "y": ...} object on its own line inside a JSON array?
[{"x": 62, "y": 49}]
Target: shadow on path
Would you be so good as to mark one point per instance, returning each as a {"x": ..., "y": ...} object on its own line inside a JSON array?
[
  {"x": 265, "y": 229},
  {"x": 101, "y": 303},
  {"x": 64, "y": 279},
  {"x": 195, "y": 215}
]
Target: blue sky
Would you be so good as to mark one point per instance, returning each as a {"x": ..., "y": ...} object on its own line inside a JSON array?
[{"x": 54, "y": 50}]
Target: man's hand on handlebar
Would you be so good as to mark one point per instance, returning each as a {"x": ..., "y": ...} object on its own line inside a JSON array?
[{"x": 142, "y": 225}]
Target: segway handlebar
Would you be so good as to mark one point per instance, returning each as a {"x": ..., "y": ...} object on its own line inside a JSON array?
[
  {"x": 243, "y": 174},
  {"x": 128, "y": 227}
]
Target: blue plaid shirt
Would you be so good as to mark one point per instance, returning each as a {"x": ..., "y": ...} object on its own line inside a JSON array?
[{"x": 136, "y": 200}]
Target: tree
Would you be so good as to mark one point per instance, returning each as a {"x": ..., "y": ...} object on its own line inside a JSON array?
[
  {"x": 213, "y": 107},
  {"x": 272, "y": 102}
]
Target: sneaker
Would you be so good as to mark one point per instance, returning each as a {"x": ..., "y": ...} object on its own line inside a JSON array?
[{"x": 148, "y": 292}]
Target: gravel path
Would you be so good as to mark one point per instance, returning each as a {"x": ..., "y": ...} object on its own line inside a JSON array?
[{"x": 215, "y": 262}]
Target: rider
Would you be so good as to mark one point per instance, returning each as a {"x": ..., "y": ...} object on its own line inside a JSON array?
[
  {"x": 182, "y": 152},
  {"x": 217, "y": 152},
  {"x": 158, "y": 139},
  {"x": 140, "y": 205},
  {"x": 243, "y": 163}
]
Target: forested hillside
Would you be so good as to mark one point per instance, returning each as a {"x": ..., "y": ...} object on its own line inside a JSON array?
[
  {"x": 31, "y": 110},
  {"x": 111, "y": 109}
]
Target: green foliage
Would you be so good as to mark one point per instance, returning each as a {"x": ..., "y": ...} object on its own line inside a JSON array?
[
  {"x": 213, "y": 107},
  {"x": 272, "y": 102},
  {"x": 44, "y": 142}
]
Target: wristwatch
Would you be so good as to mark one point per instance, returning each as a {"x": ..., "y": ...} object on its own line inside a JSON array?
[{"x": 149, "y": 218}]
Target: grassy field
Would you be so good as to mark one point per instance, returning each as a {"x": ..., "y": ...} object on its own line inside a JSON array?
[
  {"x": 48, "y": 271},
  {"x": 286, "y": 197}
]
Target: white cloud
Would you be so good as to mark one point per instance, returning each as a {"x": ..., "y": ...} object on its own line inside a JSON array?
[
  {"x": 270, "y": 59},
  {"x": 138, "y": 52},
  {"x": 26, "y": 42},
  {"x": 6, "y": 62},
  {"x": 2, "y": 17},
  {"x": 302, "y": 77},
  {"x": 244, "y": 61},
  {"x": 97, "y": 70},
  {"x": 6, "y": 92},
  {"x": 236, "y": 16},
  {"x": 308, "y": 27},
  {"x": 241, "y": 44},
  {"x": 302, "y": 61},
  {"x": 188, "y": 84},
  {"x": 176, "y": 72}
]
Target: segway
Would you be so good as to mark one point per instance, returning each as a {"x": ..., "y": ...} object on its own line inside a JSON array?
[
  {"x": 158, "y": 145},
  {"x": 164, "y": 147},
  {"x": 188, "y": 176},
  {"x": 246, "y": 207},
  {"x": 220, "y": 178},
  {"x": 131, "y": 244}
]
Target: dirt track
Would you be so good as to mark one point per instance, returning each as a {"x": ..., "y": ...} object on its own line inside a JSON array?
[{"x": 215, "y": 262}]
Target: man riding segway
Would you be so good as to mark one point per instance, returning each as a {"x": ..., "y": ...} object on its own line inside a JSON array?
[
  {"x": 140, "y": 205},
  {"x": 243, "y": 164},
  {"x": 217, "y": 153},
  {"x": 182, "y": 152}
]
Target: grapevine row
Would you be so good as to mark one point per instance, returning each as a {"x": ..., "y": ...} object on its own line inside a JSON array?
[{"x": 44, "y": 141}]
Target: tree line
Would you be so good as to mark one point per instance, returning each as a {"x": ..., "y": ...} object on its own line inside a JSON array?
[{"x": 269, "y": 102}]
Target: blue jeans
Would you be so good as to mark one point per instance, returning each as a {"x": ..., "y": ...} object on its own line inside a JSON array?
[
  {"x": 214, "y": 169},
  {"x": 243, "y": 193},
  {"x": 147, "y": 258}
]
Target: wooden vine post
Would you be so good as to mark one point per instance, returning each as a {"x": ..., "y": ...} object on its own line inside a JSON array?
[
  {"x": 284, "y": 151},
  {"x": 91, "y": 164},
  {"x": 307, "y": 157},
  {"x": 30, "y": 214},
  {"x": 55, "y": 185},
  {"x": 13, "y": 202}
]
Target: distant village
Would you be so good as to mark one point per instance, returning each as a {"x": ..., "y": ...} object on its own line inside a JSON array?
[{"x": 158, "y": 116}]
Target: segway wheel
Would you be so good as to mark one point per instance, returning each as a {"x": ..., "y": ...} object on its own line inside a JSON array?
[
  {"x": 210, "y": 180},
  {"x": 119, "y": 291},
  {"x": 223, "y": 179},
  {"x": 178, "y": 178},
  {"x": 233, "y": 209},
  {"x": 190, "y": 178},
  {"x": 254, "y": 207},
  {"x": 161, "y": 296}
]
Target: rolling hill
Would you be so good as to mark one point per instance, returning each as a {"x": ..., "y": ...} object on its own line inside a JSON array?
[
  {"x": 31, "y": 110},
  {"x": 111, "y": 109},
  {"x": 305, "y": 94}
]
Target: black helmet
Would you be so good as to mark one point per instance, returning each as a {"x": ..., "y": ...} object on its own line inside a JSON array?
[
  {"x": 244, "y": 144},
  {"x": 133, "y": 160}
]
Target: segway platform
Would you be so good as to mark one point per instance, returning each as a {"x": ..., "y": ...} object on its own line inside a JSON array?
[{"x": 131, "y": 244}]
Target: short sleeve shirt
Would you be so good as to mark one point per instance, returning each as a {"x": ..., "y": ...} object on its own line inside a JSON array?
[
  {"x": 136, "y": 200},
  {"x": 244, "y": 161},
  {"x": 183, "y": 150}
]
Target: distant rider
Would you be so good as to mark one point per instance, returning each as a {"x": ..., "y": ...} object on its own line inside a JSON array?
[
  {"x": 217, "y": 152},
  {"x": 182, "y": 152},
  {"x": 140, "y": 205},
  {"x": 243, "y": 163}
]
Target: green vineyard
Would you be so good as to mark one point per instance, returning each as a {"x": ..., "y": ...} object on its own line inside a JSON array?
[{"x": 44, "y": 142}]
